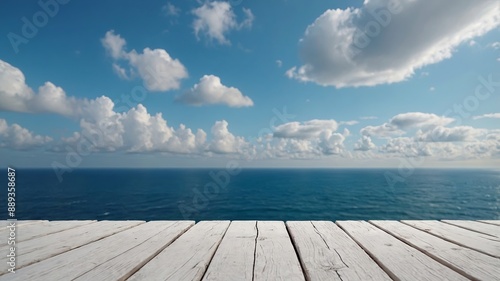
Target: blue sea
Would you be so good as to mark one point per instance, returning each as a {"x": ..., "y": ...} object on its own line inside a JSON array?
[{"x": 256, "y": 194}]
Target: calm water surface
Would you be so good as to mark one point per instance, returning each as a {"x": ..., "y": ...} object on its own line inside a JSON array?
[{"x": 257, "y": 194}]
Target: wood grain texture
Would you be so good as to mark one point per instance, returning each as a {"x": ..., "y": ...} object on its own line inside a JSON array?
[
  {"x": 275, "y": 256},
  {"x": 488, "y": 229},
  {"x": 473, "y": 264},
  {"x": 254, "y": 250},
  {"x": 480, "y": 242},
  {"x": 4, "y": 230},
  {"x": 234, "y": 258},
  {"x": 187, "y": 258},
  {"x": 399, "y": 260},
  {"x": 34, "y": 230},
  {"x": 124, "y": 265},
  {"x": 77, "y": 262},
  {"x": 495, "y": 222},
  {"x": 328, "y": 253},
  {"x": 41, "y": 248}
]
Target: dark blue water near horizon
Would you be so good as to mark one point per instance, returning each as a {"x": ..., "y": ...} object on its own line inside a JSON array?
[{"x": 255, "y": 194}]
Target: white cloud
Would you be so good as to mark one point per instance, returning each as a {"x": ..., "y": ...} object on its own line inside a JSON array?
[
  {"x": 432, "y": 89},
  {"x": 431, "y": 138},
  {"x": 364, "y": 144},
  {"x": 368, "y": 117},
  {"x": 15, "y": 95},
  {"x": 398, "y": 124},
  {"x": 382, "y": 131},
  {"x": 171, "y": 10},
  {"x": 454, "y": 134},
  {"x": 114, "y": 44},
  {"x": 306, "y": 140},
  {"x": 419, "y": 120},
  {"x": 490, "y": 115},
  {"x": 332, "y": 143},
  {"x": 120, "y": 71},
  {"x": 210, "y": 91},
  {"x": 306, "y": 130},
  {"x": 106, "y": 130},
  {"x": 279, "y": 63},
  {"x": 406, "y": 147},
  {"x": 386, "y": 41},
  {"x": 134, "y": 131},
  {"x": 348, "y": 123},
  {"x": 495, "y": 45},
  {"x": 224, "y": 142},
  {"x": 158, "y": 70},
  {"x": 215, "y": 19},
  {"x": 19, "y": 138},
  {"x": 249, "y": 18}
]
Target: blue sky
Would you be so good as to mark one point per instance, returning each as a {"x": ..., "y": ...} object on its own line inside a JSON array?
[{"x": 283, "y": 83}]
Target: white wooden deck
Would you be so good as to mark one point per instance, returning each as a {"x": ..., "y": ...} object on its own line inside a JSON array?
[{"x": 253, "y": 250}]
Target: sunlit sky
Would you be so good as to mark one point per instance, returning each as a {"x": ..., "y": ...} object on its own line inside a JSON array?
[{"x": 285, "y": 83}]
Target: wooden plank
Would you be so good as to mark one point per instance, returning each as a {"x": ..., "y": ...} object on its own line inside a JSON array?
[
  {"x": 187, "y": 258},
  {"x": 127, "y": 263},
  {"x": 4, "y": 230},
  {"x": 112, "y": 258},
  {"x": 495, "y": 222},
  {"x": 31, "y": 231},
  {"x": 234, "y": 258},
  {"x": 328, "y": 253},
  {"x": 27, "y": 222},
  {"x": 470, "y": 263},
  {"x": 480, "y": 242},
  {"x": 399, "y": 260},
  {"x": 275, "y": 257},
  {"x": 488, "y": 229},
  {"x": 38, "y": 249}
]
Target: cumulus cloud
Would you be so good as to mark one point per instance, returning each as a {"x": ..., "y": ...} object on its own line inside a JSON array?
[
  {"x": 429, "y": 135},
  {"x": 158, "y": 70},
  {"x": 16, "y": 95},
  {"x": 406, "y": 147},
  {"x": 211, "y": 91},
  {"x": 309, "y": 139},
  {"x": 18, "y": 138},
  {"x": 489, "y": 115},
  {"x": 216, "y": 19},
  {"x": 224, "y": 142},
  {"x": 306, "y": 130},
  {"x": 136, "y": 130},
  {"x": 114, "y": 44},
  {"x": 385, "y": 41},
  {"x": 454, "y": 134},
  {"x": 401, "y": 122},
  {"x": 364, "y": 144}
]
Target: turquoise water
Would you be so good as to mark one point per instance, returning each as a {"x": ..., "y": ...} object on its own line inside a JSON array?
[{"x": 262, "y": 194}]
